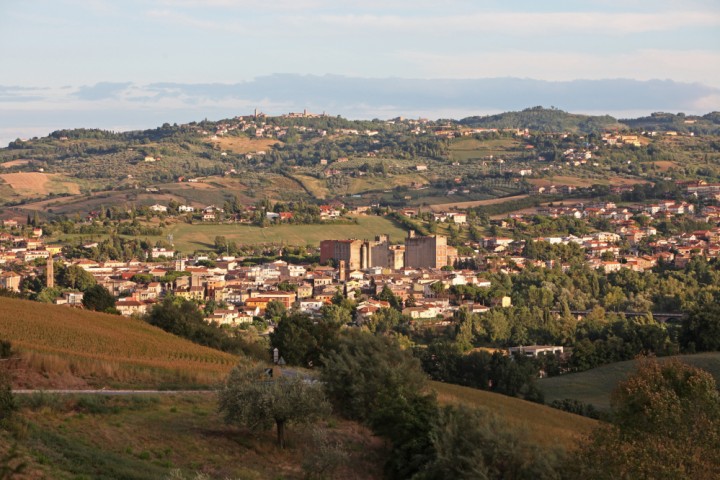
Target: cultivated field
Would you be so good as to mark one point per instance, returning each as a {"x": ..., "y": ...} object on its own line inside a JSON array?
[
  {"x": 582, "y": 182},
  {"x": 445, "y": 207},
  {"x": 98, "y": 347},
  {"x": 34, "y": 184},
  {"x": 544, "y": 425},
  {"x": 665, "y": 165},
  {"x": 14, "y": 163},
  {"x": 316, "y": 187},
  {"x": 243, "y": 145},
  {"x": 472, "y": 149},
  {"x": 188, "y": 237},
  {"x": 595, "y": 386}
]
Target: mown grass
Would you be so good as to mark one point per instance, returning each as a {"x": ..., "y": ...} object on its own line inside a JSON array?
[
  {"x": 101, "y": 348},
  {"x": 188, "y": 238},
  {"x": 543, "y": 425},
  {"x": 595, "y": 386}
]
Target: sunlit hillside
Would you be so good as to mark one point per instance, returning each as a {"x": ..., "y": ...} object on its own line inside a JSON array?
[{"x": 101, "y": 348}]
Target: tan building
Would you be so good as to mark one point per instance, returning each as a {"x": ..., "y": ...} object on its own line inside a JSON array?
[
  {"x": 431, "y": 251},
  {"x": 10, "y": 281},
  {"x": 359, "y": 254}
]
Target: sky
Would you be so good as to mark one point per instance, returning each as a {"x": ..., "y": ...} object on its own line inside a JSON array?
[{"x": 125, "y": 64}]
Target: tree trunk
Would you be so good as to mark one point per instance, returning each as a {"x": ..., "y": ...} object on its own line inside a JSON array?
[{"x": 281, "y": 433}]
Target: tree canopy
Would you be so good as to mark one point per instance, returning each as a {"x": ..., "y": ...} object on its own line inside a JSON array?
[{"x": 251, "y": 398}]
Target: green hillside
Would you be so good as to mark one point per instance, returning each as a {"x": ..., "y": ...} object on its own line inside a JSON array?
[
  {"x": 595, "y": 386},
  {"x": 544, "y": 120},
  {"x": 546, "y": 426}
]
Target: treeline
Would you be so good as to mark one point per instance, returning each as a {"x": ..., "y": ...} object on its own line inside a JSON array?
[{"x": 543, "y": 120}]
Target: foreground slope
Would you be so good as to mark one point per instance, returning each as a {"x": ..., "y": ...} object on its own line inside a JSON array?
[
  {"x": 544, "y": 425},
  {"x": 101, "y": 348},
  {"x": 595, "y": 386}
]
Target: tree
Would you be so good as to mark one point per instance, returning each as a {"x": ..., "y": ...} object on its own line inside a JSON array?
[
  {"x": 301, "y": 340},
  {"x": 666, "y": 424},
  {"x": 250, "y": 398},
  {"x": 72, "y": 276},
  {"x": 98, "y": 298},
  {"x": 274, "y": 310},
  {"x": 362, "y": 371},
  {"x": 472, "y": 443},
  {"x": 701, "y": 329}
]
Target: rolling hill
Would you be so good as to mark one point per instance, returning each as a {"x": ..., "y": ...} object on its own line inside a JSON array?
[
  {"x": 544, "y": 425},
  {"x": 62, "y": 346},
  {"x": 595, "y": 386}
]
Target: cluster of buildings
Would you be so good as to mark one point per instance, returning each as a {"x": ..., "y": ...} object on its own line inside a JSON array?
[{"x": 430, "y": 251}]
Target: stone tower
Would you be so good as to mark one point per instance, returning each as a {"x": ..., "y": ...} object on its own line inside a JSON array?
[{"x": 50, "y": 273}]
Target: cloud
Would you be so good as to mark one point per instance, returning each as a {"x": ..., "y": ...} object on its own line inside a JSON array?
[
  {"x": 684, "y": 66},
  {"x": 530, "y": 23},
  {"x": 102, "y": 90}
]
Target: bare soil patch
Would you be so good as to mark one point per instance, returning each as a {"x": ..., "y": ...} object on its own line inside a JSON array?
[
  {"x": 14, "y": 163},
  {"x": 243, "y": 145}
]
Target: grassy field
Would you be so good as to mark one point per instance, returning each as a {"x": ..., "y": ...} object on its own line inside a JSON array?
[
  {"x": 242, "y": 145},
  {"x": 473, "y": 149},
  {"x": 314, "y": 186},
  {"x": 582, "y": 182},
  {"x": 445, "y": 207},
  {"x": 76, "y": 346},
  {"x": 188, "y": 238},
  {"x": 595, "y": 386},
  {"x": 147, "y": 437},
  {"x": 544, "y": 425}
]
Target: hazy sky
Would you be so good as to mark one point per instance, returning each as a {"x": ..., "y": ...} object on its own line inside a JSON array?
[{"x": 56, "y": 44}]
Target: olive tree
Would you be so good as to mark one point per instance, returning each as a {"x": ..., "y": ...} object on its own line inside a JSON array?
[{"x": 250, "y": 397}]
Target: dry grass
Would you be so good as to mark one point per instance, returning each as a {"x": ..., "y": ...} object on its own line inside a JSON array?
[
  {"x": 314, "y": 186},
  {"x": 14, "y": 163},
  {"x": 62, "y": 341},
  {"x": 444, "y": 207},
  {"x": 36, "y": 183},
  {"x": 145, "y": 437},
  {"x": 242, "y": 145},
  {"x": 544, "y": 425},
  {"x": 665, "y": 165},
  {"x": 582, "y": 182},
  {"x": 189, "y": 238}
]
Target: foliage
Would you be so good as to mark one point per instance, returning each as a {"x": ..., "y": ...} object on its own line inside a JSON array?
[
  {"x": 543, "y": 120},
  {"x": 371, "y": 379},
  {"x": 7, "y": 400},
  {"x": 251, "y": 399},
  {"x": 184, "y": 319},
  {"x": 326, "y": 456},
  {"x": 362, "y": 371},
  {"x": 513, "y": 376},
  {"x": 11, "y": 464},
  {"x": 666, "y": 424},
  {"x": 98, "y": 298},
  {"x": 302, "y": 340},
  {"x": 701, "y": 328},
  {"x": 473, "y": 444}
]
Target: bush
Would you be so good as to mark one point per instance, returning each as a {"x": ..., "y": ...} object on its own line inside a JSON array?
[{"x": 8, "y": 406}]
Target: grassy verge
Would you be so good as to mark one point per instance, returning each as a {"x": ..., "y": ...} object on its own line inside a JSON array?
[{"x": 595, "y": 386}]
